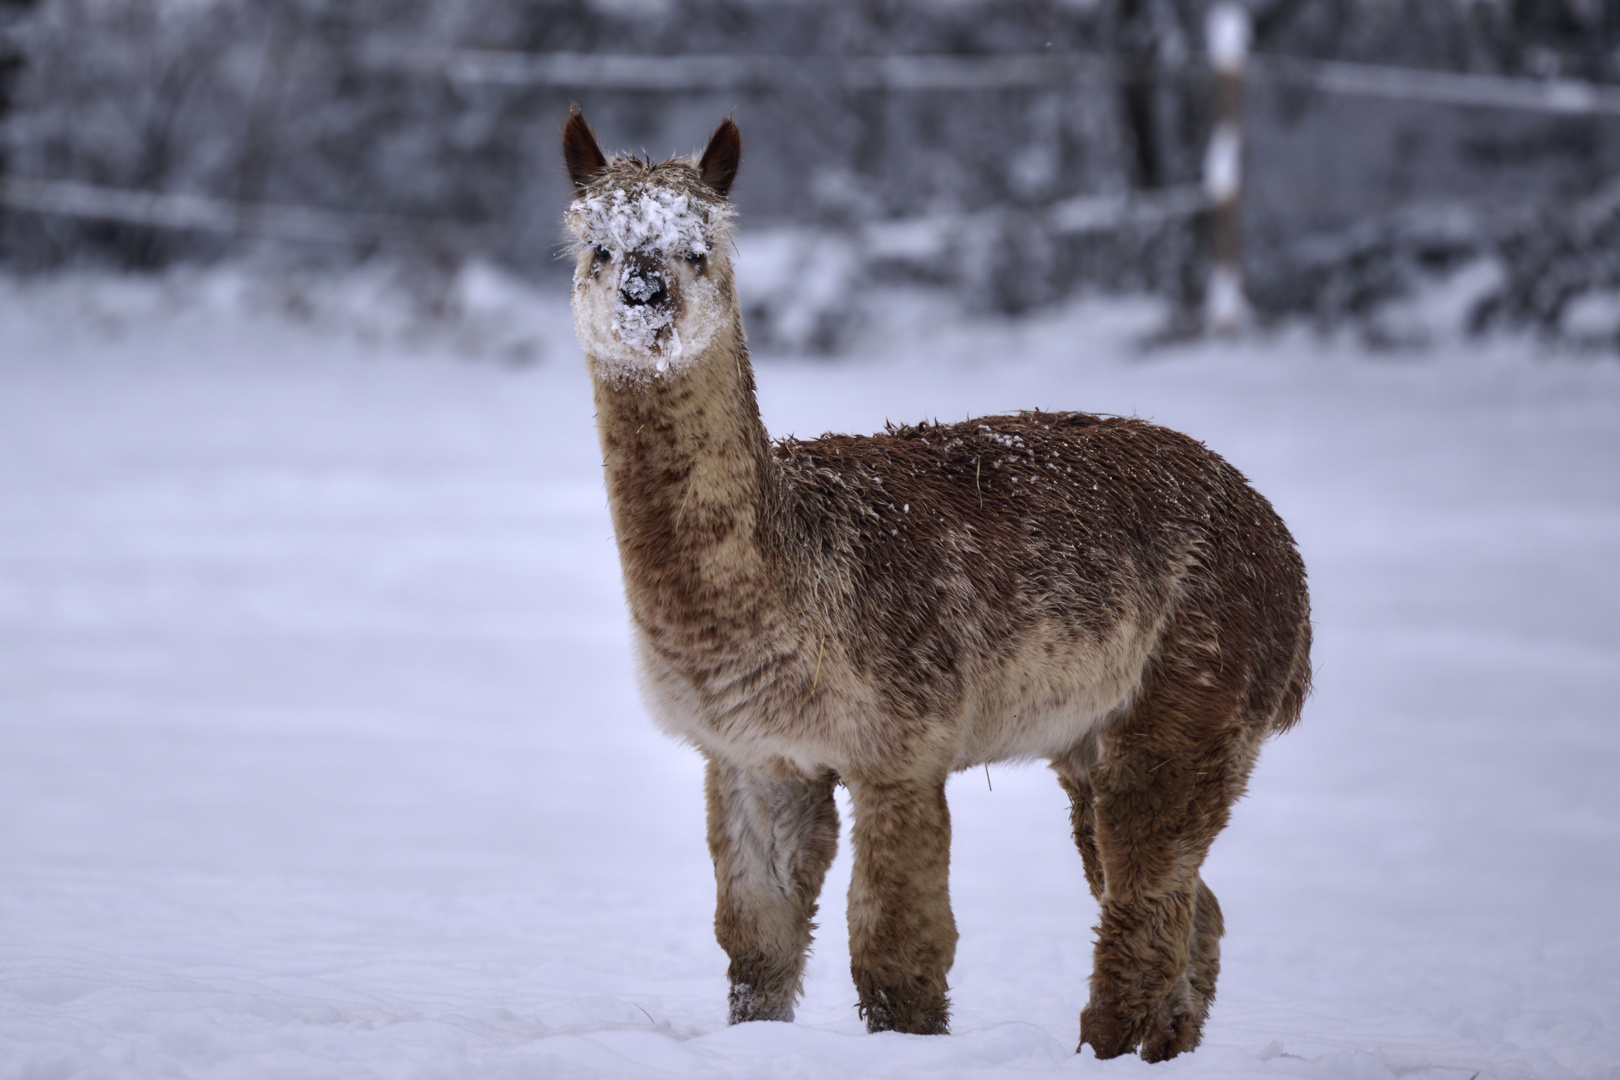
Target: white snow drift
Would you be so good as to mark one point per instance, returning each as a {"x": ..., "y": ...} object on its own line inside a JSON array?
[{"x": 320, "y": 756}]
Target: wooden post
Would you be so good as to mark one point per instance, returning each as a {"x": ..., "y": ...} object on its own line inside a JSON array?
[
  {"x": 1226, "y": 308},
  {"x": 259, "y": 132}
]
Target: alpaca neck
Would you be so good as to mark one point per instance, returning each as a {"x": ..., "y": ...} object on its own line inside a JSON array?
[{"x": 692, "y": 487}]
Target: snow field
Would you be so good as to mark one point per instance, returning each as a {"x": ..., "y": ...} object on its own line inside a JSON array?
[{"x": 320, "y": 752}]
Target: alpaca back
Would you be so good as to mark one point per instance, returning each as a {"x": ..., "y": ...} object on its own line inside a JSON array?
[{"x": 959, "y": 556}]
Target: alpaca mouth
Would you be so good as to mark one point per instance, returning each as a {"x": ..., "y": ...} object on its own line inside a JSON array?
[{"x": 647, "y": 328}]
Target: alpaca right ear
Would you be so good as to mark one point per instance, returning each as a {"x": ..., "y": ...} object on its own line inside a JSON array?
[
  {"x": 585, "y": 159},
  {"x": 719, "y": 162}
]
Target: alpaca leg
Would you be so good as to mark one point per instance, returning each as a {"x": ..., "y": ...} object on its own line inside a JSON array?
[
  {"x": 772, "y": 840},
  {"x": 902, "y": 937},
  {"x": 1196, "y": 988},
  {"x": 1179, "y": 1022},
  {"x": 1161, "y": 794},
  {"x": 1074, "y": 774},
  {"x": 1209, "y": 926}
]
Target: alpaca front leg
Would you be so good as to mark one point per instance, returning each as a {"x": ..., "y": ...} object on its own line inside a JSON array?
[
  {"x": 772, "y": 840},
  {"x": 902, "y": 936}
]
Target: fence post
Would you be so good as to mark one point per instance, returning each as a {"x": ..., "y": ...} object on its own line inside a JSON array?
[{"x": 1227, "y": 31}]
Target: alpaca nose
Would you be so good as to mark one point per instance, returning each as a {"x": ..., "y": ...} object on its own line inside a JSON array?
[{"x": 643, "y": 288}]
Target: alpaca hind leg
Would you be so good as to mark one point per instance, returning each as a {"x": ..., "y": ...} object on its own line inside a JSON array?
[
  {"x": 772, "y": 840},
  {"x": 1178, "y": 1024},
  {"x": 902, "y": 936},
  {"x": 1163, "y": 787},
  {"x": 1209, "y": 926}
]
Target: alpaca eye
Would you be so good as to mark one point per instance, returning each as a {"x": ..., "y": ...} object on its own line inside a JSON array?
[{"x": 603, "y": 254}]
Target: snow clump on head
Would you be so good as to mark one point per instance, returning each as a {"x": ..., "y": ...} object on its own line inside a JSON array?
[{"x": 649, "y": 218}]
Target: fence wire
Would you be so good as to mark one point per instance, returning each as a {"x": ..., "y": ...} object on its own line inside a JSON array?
[
  {"x": 600, "y": 71},
  {"x": 1568, "y": 97}
]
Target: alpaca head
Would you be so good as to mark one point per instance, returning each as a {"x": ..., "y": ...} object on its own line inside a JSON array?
[{"x": 652, "y": 281}]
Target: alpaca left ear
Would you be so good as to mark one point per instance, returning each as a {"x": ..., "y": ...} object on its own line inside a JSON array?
[{"x": 719, "y": 162}]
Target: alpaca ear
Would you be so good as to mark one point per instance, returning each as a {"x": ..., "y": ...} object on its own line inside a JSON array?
[
  {"x": 719, "y": 162},
  {"x": 585, "y": 159}
]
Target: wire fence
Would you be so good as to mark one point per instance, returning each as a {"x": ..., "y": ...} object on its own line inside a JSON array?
[
  {"x": 299, "y": 224},
  {"x": 70, "y": 198},
  {"x": 599, "y": 71},
  {"x": 1567, "y": 97}
]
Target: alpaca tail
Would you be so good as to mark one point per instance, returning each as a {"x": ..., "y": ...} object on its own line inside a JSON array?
[{"x": 1299, "y": 681}]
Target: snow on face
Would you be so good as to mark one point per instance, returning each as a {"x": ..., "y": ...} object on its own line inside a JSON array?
[
  {"x": 649, "y": 218},
  {"x": 640, "y": 308}
]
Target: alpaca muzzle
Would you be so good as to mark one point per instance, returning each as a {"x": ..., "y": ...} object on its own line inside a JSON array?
[{"x": 644, "y": 314}]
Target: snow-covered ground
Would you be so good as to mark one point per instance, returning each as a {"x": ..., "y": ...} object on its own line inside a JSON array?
[{"x": 320, "y": 754}]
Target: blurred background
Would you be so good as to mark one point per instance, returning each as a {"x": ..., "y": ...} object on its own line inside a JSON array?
[{"x": 1010, "y": 154}]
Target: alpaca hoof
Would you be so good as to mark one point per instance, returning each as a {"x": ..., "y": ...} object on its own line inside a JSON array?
[
  {"x": 1166, "y": 1037},
  {"x": 1107, "y": 1032},
  {"x": 908, "y": 1011},
  {"x": 907, "y": 1023},
  {"x": 1176, "y": 1027},
  {"x": 749, "y": 1004}
]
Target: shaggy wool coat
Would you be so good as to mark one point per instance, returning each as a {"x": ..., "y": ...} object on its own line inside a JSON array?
[{"x": 879, "y": 611}]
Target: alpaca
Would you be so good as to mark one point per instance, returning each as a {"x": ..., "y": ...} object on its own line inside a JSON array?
[{"x": 881, "y": 611}]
